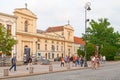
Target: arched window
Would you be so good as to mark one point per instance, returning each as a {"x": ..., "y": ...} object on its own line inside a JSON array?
[{"x": 26, "y": 26}]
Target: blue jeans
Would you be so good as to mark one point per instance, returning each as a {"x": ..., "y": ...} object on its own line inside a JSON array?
[{"x": 14, "y": 65}]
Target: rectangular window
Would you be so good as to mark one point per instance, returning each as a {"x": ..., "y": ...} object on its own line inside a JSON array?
[
  {"x": 57, "y": 48},
  {"x": 38, "y": 46},
  {"x": 26, "y": 26},
  {"x": 9, "y": 28},
  {"x": 53, "y": 48},
  {"x": 52, "y": 55},
  {"x": 48, "y": 55}
]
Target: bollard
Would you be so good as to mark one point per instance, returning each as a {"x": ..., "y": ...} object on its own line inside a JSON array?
[
  {"x": 31, "y": 70},
  {"x": 68, "y": 66},
  {"x": 5, "y": 72},
  {"x": 50, "y": 68}
]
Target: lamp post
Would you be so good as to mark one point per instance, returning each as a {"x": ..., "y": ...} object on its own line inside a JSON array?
[
  {"x": 87, "y": 8},
  {"x": 97, "y": 49}
]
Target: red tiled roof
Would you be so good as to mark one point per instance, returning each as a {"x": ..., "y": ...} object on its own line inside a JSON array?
[
  {"x": 78, "y": 40},
  {"x": 57, "y": 28}
]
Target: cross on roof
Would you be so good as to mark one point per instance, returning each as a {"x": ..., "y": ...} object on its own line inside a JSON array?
[{"x": 26, "y": 5}]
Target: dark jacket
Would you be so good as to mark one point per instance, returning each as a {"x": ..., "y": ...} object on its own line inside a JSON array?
[{"x": 13, "y": 61}]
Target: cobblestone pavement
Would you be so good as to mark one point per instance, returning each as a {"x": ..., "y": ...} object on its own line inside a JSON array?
[{"x": 108, "y": 71}]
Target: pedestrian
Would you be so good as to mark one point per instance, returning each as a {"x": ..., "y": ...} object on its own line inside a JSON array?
[
  {"x": 62, "y": 61},
  {"x": 29, "y": 63},
  {"x": 66, "y": 61},
  {"x": 13, "y": 62},
  {"x": 93, "y": 62},
  {"x": 81, "y": 61},
  {"x": 74, "y": 60},
  {"x": 77, "y": 61},
  {"x": 104, "y": 59},
  {"x": 97, "y": 62}
]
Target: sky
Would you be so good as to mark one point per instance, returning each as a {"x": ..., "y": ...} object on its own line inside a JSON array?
[{"x": 58, "y": 12}]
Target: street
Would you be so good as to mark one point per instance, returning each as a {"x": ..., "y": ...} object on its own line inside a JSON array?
[{"x": 106, "y": 72}]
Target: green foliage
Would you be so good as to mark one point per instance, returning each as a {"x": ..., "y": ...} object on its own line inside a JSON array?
[
  {"x": 116, "y": 58},
  {"x": 80, "y": 52},
  {"x": 6, "y": 40},
  {"x": 100, "y": 33},
  {"x": 90, "y": 49},
  {"x": 118, "y": 52},
  {"x": 109, "y": 52}
]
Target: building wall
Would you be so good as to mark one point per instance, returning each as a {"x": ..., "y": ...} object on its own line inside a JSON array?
[
  {"x": 9, "y": 20},
  {"x": 69, "y": 39},
  {"x": 26, "y": 32},
  {"x": 49, "y": 42},
  {"x": 63, "y": 41},
  {"x": 76, "y": 47}
]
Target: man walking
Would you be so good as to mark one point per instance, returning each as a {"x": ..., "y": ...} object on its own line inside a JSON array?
[{"x": 13, "y": 61}]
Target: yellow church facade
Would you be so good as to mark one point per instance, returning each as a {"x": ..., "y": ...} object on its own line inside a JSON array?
[{"x": 53, "y": 42}]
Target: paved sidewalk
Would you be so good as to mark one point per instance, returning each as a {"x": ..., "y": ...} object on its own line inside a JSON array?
[
  {"x": 41, "y": 69},
  {"x": 37, "y": 69}
]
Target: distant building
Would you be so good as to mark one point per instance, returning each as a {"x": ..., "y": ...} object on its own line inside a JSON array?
[
  {"x": 9, "y": 22},
  {"x": 79, "y": 43}
]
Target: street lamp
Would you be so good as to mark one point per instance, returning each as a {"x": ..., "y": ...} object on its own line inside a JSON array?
[
  {"x": 87, "y": 8},
  {"x": 97, "y": 49}
]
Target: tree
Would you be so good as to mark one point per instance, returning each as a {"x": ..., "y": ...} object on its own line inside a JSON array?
[
  {"x": 109, "y": 51},
  {"x": 6, "y": 41},
  {"x": 101, "y": 34},
  {"x": 80, "y": 52},
  {"x": 90, "y": 50}
]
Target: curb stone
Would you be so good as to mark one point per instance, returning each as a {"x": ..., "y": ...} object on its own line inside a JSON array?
[{"x": 37, "y": 73}]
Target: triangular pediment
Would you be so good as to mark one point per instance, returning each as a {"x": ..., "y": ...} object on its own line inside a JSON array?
[
  {"x": 69, "y": 27},
  {"x": 25, "y": 11}
]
